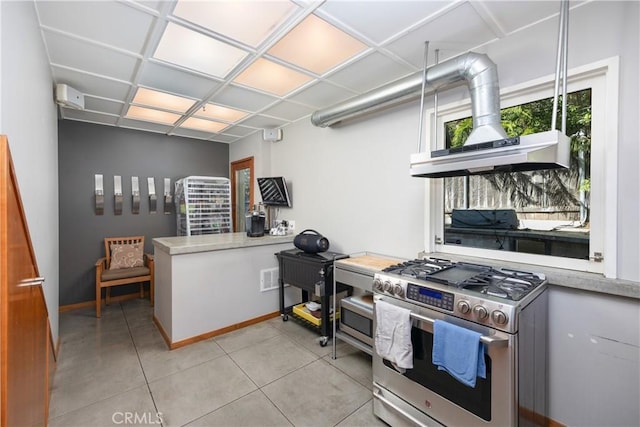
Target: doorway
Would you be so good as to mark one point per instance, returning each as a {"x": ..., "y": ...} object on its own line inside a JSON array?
[{"x": 242, "y": 178}]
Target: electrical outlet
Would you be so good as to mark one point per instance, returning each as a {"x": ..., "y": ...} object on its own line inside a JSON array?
[{"x": 292, "y": 224}]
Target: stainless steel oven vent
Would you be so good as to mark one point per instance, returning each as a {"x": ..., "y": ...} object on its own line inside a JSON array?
[
  {"x": 479, "y": 72},
  {"x": 487, "y": 150}
]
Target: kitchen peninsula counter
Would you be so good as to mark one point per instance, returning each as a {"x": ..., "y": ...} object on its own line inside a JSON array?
[
  {"x": 215, "y": 242},
  {"x": 210, "y": 284}
]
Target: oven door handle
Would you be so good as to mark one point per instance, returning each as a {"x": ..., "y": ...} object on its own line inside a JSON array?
[{"x": 487, "y": 340}]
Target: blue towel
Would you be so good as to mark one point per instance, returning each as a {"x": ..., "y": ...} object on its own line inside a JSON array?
[{"x": 459, "y": 352}]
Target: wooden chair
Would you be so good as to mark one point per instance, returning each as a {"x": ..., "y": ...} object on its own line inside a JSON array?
[{"x": 122, "y": 273}]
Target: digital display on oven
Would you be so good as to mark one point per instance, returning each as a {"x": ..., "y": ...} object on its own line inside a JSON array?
[
  {"x": 430, "y": 296},
  {"x": 430, "y": 293}
]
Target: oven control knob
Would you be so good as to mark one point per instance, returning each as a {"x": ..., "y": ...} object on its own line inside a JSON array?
[
  {"x": 480, "y": 312},
  {"x": 377, "y": 285},
  {"x": 387, "y": 286},
  {"x": 498, "y": 317},
  {"x": 464, "y": 307},
  {"x": 397, "y": 289}
]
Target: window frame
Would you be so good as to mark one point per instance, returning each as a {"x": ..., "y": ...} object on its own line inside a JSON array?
[{"x": 603, "y": 78}]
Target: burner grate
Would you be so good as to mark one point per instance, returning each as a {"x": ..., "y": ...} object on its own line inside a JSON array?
[
  {"x": 418, "y": 268},
  {"x": 502, "y": 283}
]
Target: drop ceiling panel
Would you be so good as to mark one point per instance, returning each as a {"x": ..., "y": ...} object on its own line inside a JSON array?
[
  {"x": 227, "y": 139},
  {"x": 146, "y": 126},
  {"x": 159, "y": 76},
  {"x": 92, "y": 85},
  {"x": 105, "y": 49},
  {"x": 380, "y": 20},
  {"x": 196, "y": 51},
  {"x": 85, "y": 56},
  {"x": 107, "y": 22},
  {"x": 192, "y": 133},
  {"x": 288, "y": 111},
  {"x": 249, "y": 22},
  {"x": 370, "y": 72},
  {"x": 458, "y": 30},
  {"x": 317, "y": 46},
  {"x": 243, "y": 99},
  {"x": 262, "y": 122},
  {"x": 513, "y": 15},
  {"x": 239, "y": 131},
  {"x": 103, "y": 105},
  {"x": 87, "y": 116},
  {"x": 322, "y": 94}
]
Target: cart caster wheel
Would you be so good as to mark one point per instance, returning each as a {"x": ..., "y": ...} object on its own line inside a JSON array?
[
  {"x": 324, "y": 341},
  {"x": 285, "y": 317}
]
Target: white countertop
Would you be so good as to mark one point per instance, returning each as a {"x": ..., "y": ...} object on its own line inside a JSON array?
[{"x": 215, "y": 242}]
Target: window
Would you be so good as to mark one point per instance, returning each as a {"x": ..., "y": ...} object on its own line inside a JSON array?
[
  {"x": 556, "y": 217},
  {"x": 541, "y": 212}
]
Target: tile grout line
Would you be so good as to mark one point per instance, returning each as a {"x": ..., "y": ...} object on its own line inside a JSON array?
[
  {"x": 354, "y": 411},
  {"x": 99, "y": 400},
  {"x": 258, "y": 388},
  {"x": 144, "y": 374},
  {"x": 283, "y": 333}
]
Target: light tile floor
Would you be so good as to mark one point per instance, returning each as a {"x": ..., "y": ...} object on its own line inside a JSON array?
[{"x": 117, "y": 370}]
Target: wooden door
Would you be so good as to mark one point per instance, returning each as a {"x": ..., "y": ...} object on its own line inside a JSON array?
[
  {"x": 241, "y": 191},
  {"x": 24, "y": 332}
]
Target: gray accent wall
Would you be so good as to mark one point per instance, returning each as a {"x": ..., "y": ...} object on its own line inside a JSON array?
[{"x": 87, "y": 149}]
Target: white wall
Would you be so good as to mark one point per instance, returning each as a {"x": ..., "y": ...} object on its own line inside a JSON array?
[
  {"x": 29, "y": 119},
  {"x": 352, "y": 184}
]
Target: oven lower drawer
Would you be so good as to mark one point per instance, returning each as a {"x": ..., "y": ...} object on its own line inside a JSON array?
[
  {"x": 356, "y": 318},
  {"x": 396, "y": 412}
]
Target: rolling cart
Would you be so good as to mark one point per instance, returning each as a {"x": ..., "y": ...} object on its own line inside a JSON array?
[{"x": 313, "y": 274}]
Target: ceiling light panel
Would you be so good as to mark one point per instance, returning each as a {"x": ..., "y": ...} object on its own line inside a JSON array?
[
  {"x": 271, "y": 77},
  {"x": 218, "y": 112},
  {"x": 190, "y": 49},
  {"x": 163, "y": 76},
  {"x": 153, "y": 98},
  {"x": 205, "y": 125},
  {"x": 151, "y": 115},
  {"x": 249, "y": 22},
  {"x": 316, "y": 45}
]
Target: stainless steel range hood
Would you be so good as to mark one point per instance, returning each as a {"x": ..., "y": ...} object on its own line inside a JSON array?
[
  {"x": 545, "y": 150},
  {"x": 487, "y": 150}
]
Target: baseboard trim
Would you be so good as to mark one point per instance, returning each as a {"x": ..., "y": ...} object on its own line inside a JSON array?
[
  {"x": 211, "y": 334},
  {"x": 164, "y": 334},
  {"x": 125, "y": 297},
  {"x": 538, "y": 419}
]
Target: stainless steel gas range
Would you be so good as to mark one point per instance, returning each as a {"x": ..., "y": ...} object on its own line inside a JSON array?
[{"x": 507, "y": 307}]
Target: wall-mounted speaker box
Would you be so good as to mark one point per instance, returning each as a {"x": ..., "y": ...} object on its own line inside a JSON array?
[
  {"x": 272, "y": 135},
  {"x": 66, "y": 96}
]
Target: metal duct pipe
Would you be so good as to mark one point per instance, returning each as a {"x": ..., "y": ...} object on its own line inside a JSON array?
[{"x": 480, "y": 73}]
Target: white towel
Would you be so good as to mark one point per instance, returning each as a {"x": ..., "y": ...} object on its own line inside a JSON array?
[{"x": 393, "y": 335}]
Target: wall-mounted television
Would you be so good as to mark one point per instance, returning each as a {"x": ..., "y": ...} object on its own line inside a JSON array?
[{"x": 274, "y": 191}]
